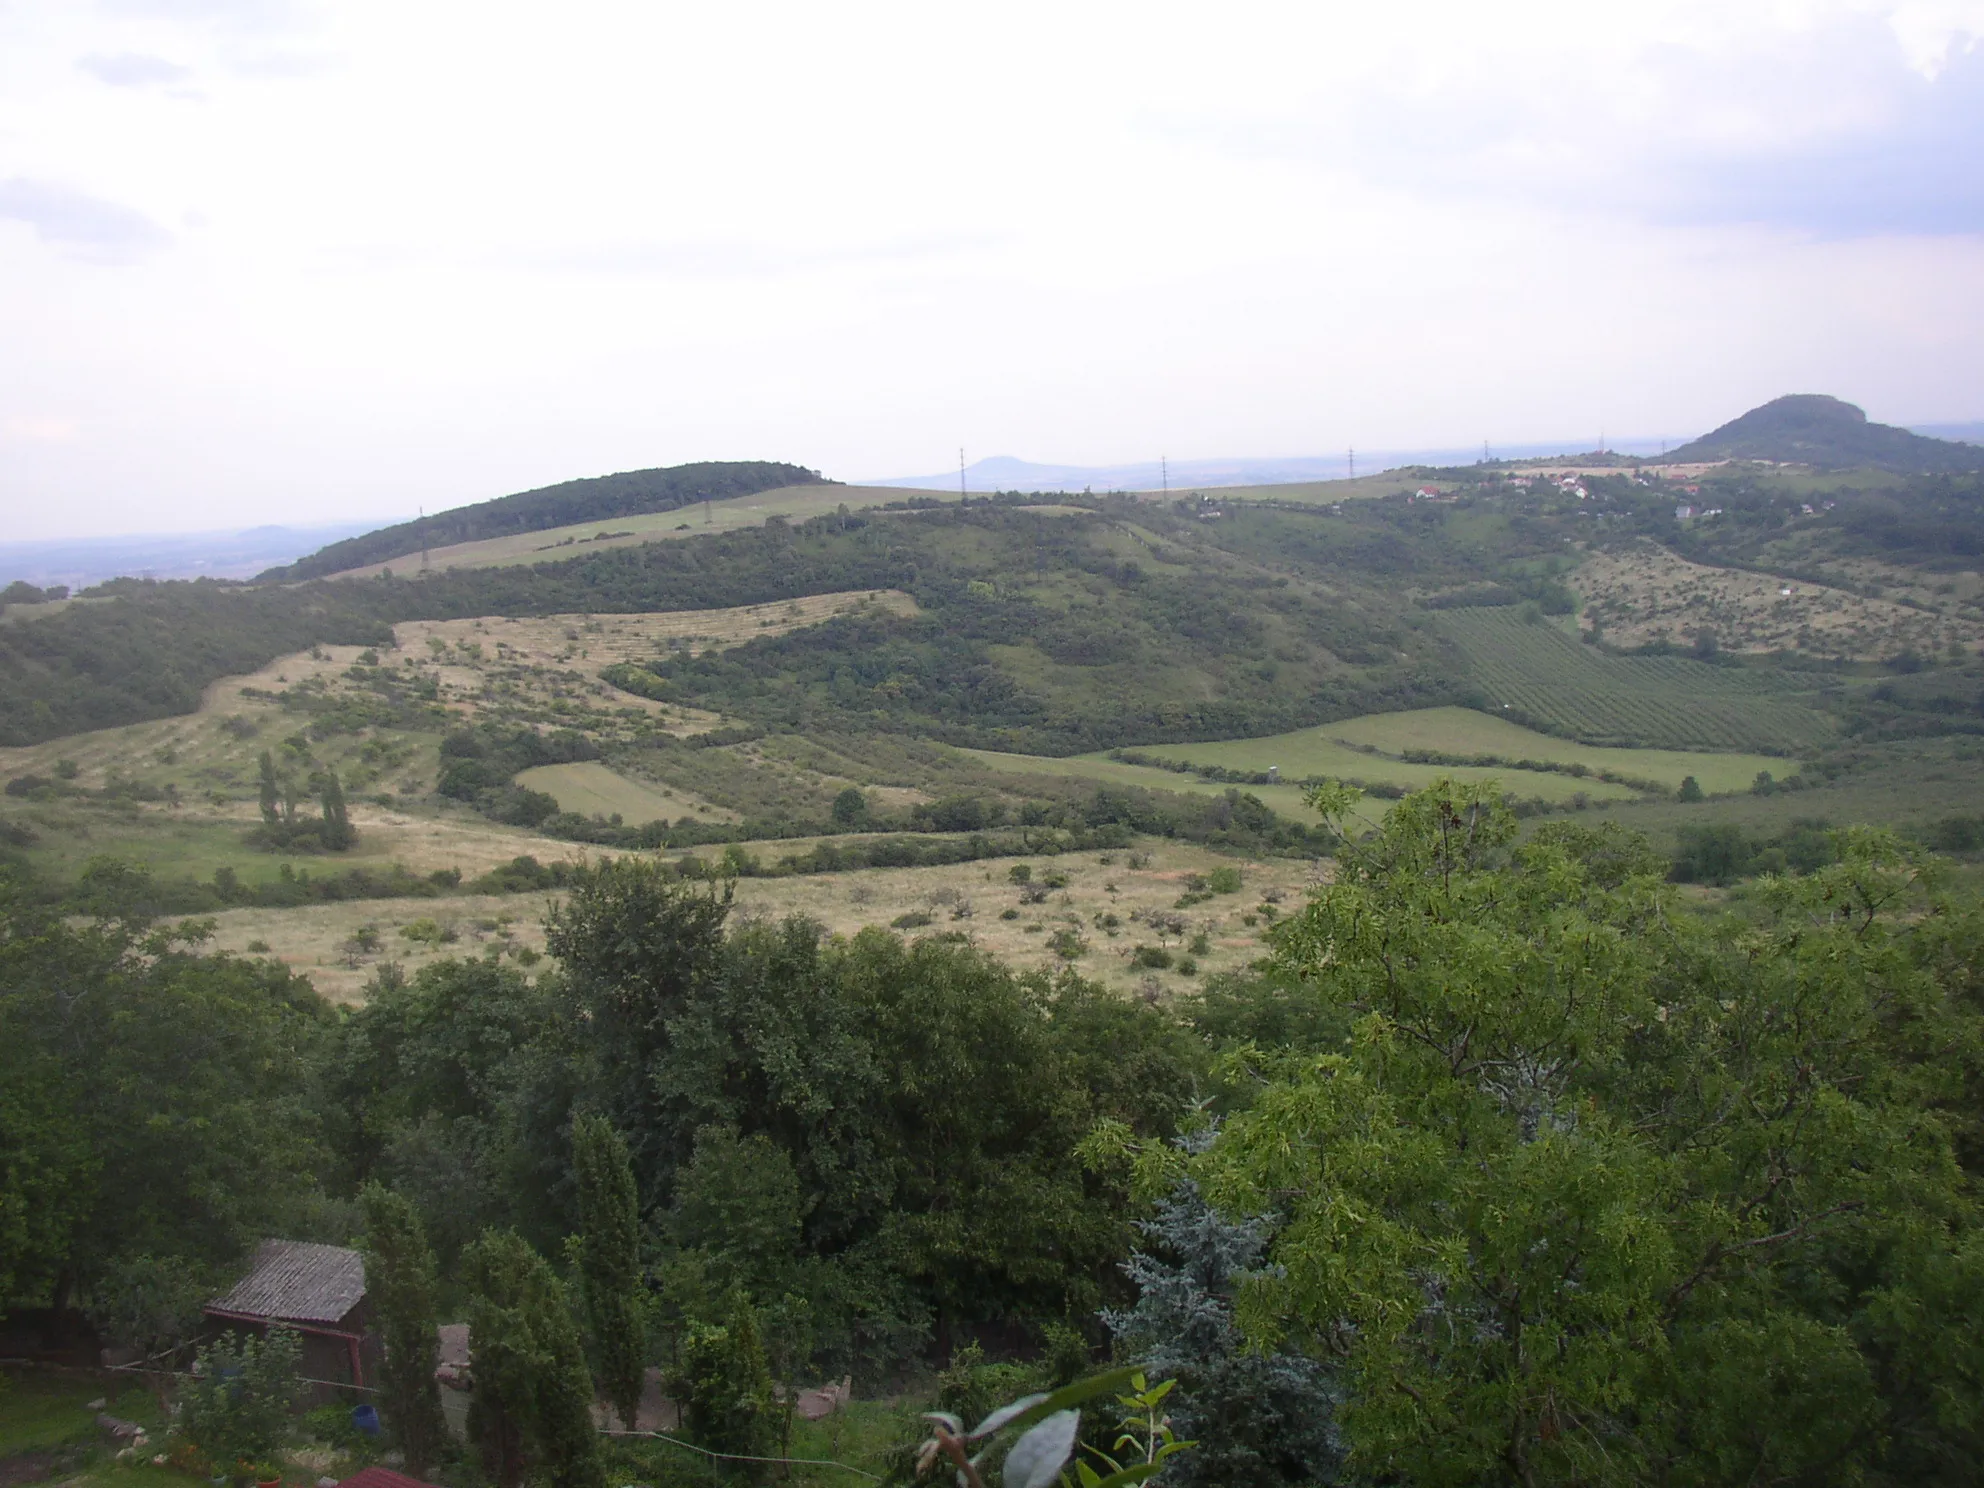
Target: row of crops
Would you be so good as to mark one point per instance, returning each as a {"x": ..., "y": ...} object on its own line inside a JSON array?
[{"x": 1537, "y": 675}]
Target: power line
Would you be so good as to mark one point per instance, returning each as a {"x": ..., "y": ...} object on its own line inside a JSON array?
[{"x": 961, "y": 487}]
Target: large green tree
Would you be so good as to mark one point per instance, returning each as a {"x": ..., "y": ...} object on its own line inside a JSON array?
[
  {"x": 153, "y": 1100},
  {"x": 1601, "y": 1192}
]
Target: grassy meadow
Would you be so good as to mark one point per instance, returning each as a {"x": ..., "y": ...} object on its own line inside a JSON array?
[
  {"x": 1286, "y": 800},
  {"x": 593, "y": 789},
  {"x": 1470, "y": 731},
  {"x": 793, "y": 503},
  {"x": 1109, "y": 904}
]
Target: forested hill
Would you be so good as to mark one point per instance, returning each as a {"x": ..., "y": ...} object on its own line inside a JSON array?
[
  {"x": 1812, "y": 429},
  {"x": 595, "y": 499}
]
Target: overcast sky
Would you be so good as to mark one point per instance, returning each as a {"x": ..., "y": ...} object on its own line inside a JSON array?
[{"x": 275, "y": 261}]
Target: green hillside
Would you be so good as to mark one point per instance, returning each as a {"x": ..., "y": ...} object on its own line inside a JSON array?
[
  {"x": 1813, "y": 429},
  {"x": 596, "y": 499}
]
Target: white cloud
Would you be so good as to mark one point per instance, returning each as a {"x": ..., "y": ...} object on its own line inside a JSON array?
[
  {"x": 436, "y": 252},
  {"x": 78, "y": 223},
  {"x": 131, "y": 69}
]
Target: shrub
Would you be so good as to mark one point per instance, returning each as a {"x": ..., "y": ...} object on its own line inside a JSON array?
[
  {"x": 1155, "y": 957},
  {"x": 916, "y": 919},
  {"x": 725, "y": 1386},
  {"x": 429, "y": 932},
  {"x": 1224, "y": 880},
  {"x": 236, "y": 1410}
]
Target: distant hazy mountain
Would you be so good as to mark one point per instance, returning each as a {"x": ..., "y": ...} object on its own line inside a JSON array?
[
  {"x": 82, "y": 561},
  {"x": 592, "y": 499},
  {"x": 1971, "y": 433},
  {"x": 1812, "y": 429},
  {"x": 1005, "y": 473}
]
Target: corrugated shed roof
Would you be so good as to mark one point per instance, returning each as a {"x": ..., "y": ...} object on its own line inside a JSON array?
[{"x": 298, "y": 1282}]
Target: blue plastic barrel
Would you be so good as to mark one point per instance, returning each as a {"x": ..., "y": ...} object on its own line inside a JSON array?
[{"x": 366, "y": 1419}]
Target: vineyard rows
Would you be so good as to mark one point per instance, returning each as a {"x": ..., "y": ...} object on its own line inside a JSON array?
[{"x": 1535, "y": 674}]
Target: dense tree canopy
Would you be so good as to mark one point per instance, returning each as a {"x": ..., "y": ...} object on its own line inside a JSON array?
[{"x": 1597, "y": 1192}]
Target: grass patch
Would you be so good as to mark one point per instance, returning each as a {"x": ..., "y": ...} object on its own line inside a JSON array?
[
  {"x": 794, "y": 503},
  {"x": 592, "y": 789},
  {"x": 1284, "y": 800},
  {"x": 41, "y": 1408},
  {"x": 1307, "y": 752},
  {"x": 1468, "y": 731}
]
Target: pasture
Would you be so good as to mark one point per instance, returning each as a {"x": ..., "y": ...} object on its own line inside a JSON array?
[
  {"x": 793, "y": 503},
  {"x": 593, "y": 789},
  {"x": 1307, "y": 752},
  {"x": 1284, "y": 800},
  {"x": 1547, "y": 680},
  {"x": 1469, "y": 731},
  {"x": 1109, "y": 904}
]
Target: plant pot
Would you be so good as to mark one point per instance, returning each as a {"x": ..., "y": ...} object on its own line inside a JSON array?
[{"x": 275, "y": 1482}]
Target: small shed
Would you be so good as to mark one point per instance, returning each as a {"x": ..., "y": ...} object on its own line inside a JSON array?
[{"x": 319, "y": 1290}]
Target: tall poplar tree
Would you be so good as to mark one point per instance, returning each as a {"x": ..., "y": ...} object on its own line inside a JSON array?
[
  {"x": 532, "y": 1406},
  {"x": 336, "y": 832},
  {"x": 400, "y": 1282},
  {"x": 608, "y": 1251},
  {"x": 271, "y": 790}
]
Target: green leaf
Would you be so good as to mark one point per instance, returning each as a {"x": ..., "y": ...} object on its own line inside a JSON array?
[
  {"x": 1004, "y": 1414},
  {"x": 1036, "y": 1458},
  {"x": 1069, "y": 1396}
]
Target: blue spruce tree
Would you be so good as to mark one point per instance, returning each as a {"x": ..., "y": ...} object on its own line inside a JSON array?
[{"x": 1260, "y": 1420}]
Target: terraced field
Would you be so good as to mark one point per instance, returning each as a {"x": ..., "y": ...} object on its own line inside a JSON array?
[{"x": 1541, "y": 677}]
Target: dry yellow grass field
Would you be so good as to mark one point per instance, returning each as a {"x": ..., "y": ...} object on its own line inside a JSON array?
[
  {"x": 549, "y": 662},
  {"x": 1647, "y": 593},
  {"x": 794, "y": 503},
  {"x": 1133, "y": 886}
]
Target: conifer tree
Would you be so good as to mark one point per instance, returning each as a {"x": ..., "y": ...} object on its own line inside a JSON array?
[
  {"x": 532, "y": 1405},
  {"x": 608, "y": 1251},
  {"x": 337, "y": 834},
  {"x": 271, "y": 791},
  {"x": 400, "y": 1281}
]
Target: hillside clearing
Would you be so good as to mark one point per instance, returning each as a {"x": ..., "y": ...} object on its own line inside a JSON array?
[
  {"x": 1647, "y": 594},
  {"x": 1096, "y": 907},
  {"x": 593, "y": 789},
  {"x": 1307, "y": 752},
  {"x": 1468, "y": 731},
  {"x": 792, "y": 503},
  {"x": 1284, "y": 800}
]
